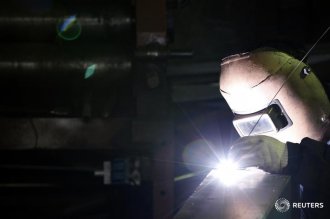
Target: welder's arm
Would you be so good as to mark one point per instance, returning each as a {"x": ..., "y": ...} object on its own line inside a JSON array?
[
  {"x": 308, "y": 164},
  {"x": 261, "y": 151}
]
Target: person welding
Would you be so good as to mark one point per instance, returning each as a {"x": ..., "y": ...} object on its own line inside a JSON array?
[{"x": 281, "y": 111}]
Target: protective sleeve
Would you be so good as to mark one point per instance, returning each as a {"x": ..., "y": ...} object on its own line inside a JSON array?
[{"x": 309, "y": 166}]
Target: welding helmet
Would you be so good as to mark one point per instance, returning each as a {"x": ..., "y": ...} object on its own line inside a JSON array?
[{"x": 272, "y": 93}]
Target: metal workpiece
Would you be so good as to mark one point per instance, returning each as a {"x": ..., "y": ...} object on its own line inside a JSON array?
[{"x": 252, "y": 198}]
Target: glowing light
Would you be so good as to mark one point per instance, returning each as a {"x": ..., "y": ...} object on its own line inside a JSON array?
[
  {"x": 69, "y": 28},
  {"x": 198, "y": 156},
  {"x": 67, "y": 23},
  {"x": 90, "y": 71},
  {"x": 228, "y": 172}
]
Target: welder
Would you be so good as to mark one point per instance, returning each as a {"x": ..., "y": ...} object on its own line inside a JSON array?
[{"x": 282, "y": 112}]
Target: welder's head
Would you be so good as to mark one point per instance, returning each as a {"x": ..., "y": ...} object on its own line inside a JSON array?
[{"x": 272, "y": 93}]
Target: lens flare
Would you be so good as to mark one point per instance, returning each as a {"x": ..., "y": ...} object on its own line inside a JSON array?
[
  {"x": 197, "y": 156},
  {"x": 90, "y": 70},
  {"x": 69, "y": 28}
]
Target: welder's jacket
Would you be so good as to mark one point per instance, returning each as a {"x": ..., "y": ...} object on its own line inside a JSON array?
[{"x": 309, "y": 166}]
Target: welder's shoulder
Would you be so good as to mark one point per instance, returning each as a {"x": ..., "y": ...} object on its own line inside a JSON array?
[
  {"x": 306, "y": 154},
  {"x": 316, "y": 148},
  {"x": 307, "y": 146}
]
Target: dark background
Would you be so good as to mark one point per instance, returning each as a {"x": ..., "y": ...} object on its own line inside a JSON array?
[{"x": 151, "y": 106}]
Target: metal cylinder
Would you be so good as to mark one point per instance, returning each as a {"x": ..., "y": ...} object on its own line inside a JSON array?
[
  {"x": 79, "y": 20},
  {"x": 41, "y": 61}
]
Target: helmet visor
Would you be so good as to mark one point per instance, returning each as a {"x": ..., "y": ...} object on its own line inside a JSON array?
[{"x": 272, "y": 119}]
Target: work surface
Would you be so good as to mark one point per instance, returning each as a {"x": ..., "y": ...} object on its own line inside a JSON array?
[{"x": 252, "y": 197}]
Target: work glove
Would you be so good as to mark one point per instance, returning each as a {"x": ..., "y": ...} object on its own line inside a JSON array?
[{"x": 264, "y": 152}]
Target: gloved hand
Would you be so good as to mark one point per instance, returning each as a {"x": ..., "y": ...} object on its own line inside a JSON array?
[{"x": 262, "y": 151}]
